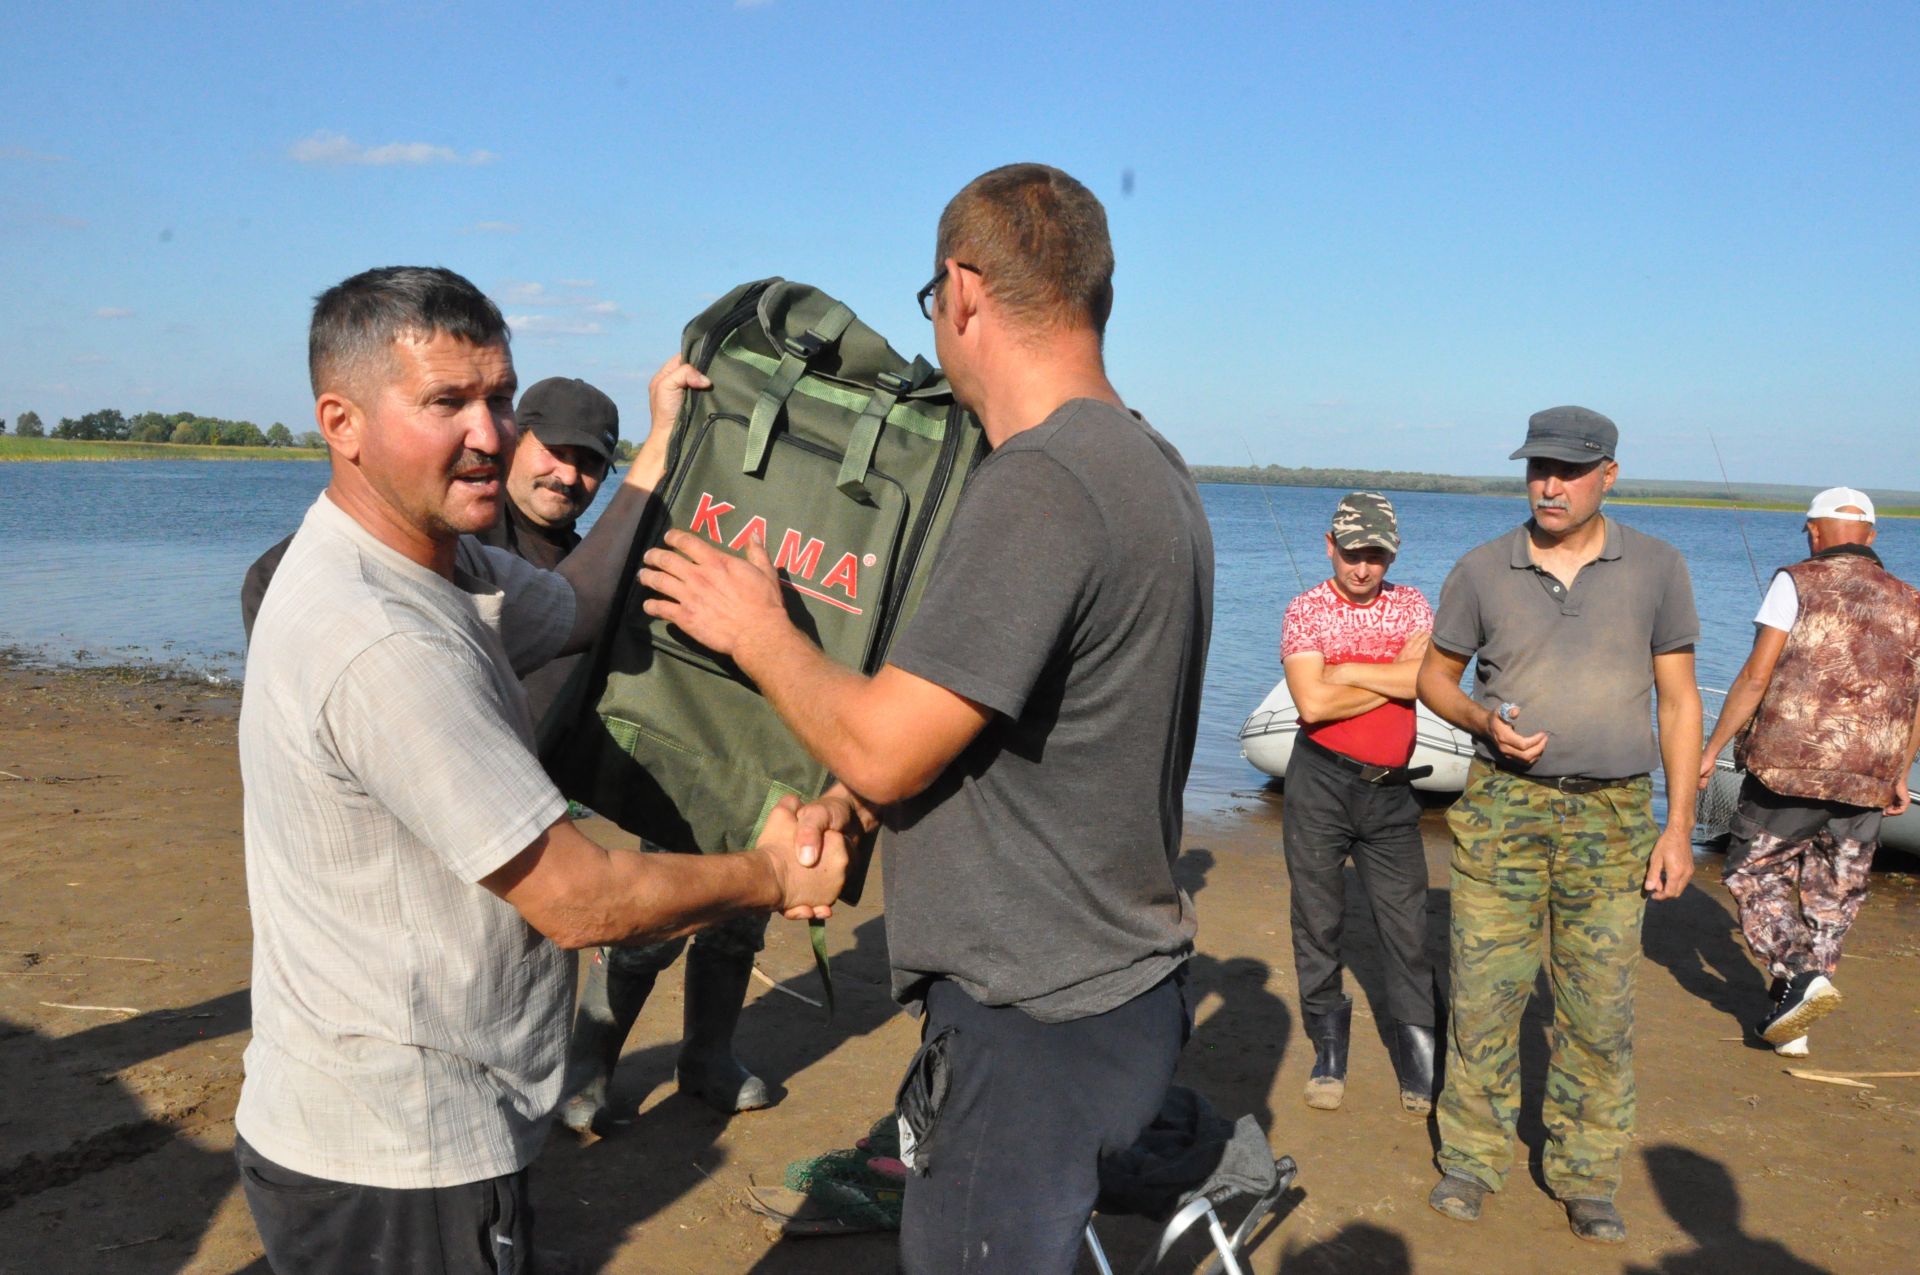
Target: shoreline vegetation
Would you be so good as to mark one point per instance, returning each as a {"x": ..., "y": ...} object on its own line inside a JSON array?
[
  {"x": 1675, "y": 493},
  {"x": 14, "y": 448},
  {"x": 1679, "y": 493}
]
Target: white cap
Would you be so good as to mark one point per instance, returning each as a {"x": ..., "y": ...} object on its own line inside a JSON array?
[{"x": 1833, "y": 501}]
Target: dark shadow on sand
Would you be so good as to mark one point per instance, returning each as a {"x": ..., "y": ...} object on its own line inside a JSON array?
[
  {"x": 1699, "y": 1193},
  {"x": 79, "y": 1074},
  {"x": 591, "y": 1195}
]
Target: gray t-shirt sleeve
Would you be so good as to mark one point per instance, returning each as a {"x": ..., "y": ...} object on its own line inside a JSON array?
[
  {"x": 1000, "y": 606},
  {"x": 1675, "y": 622},
  {"x": 1458, "y": 626},
  {"x": 415, "y": 721}
]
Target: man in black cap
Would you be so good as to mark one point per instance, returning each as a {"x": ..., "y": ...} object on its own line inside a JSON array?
[
  {"x": 1575, "y": 623},
  {"x": 1352, "y": 646},
  {"x": 568, "y": 432}
]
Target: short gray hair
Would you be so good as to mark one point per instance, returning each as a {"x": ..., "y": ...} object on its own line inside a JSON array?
[{"x": 356, "y": 321}]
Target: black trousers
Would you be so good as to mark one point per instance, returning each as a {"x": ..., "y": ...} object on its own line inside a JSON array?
[
  {"x": 314, "y": 1226},
  {"x": 1013, "y": 1157},
  {"x": 1331, "y": 814}
]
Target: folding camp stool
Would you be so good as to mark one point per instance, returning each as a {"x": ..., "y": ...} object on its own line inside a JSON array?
[{"x": 1227, "y": 1248}]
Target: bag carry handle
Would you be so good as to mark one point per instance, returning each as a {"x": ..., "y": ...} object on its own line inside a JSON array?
[
  {"x": 796, "y": 353},
  {"x": 873, "y": 417}
]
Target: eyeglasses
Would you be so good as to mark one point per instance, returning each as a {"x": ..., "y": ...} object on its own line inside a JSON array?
[{"x": 926, "y": 294}]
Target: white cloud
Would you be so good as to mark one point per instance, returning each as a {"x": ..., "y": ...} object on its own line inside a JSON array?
[
  {"x": 89, "y": 360},
  {"x": 26, "y": 156},
  {"x": 493, "y": 228},
  {"x": 752, "y": 4},
  {"x": 337, "y": 149},
  {"x": 113, "y": 312},
  {"x": 530, "y": 295},
  {"x": 552, "y": 325},
  {"x": 527, "y": 294}
]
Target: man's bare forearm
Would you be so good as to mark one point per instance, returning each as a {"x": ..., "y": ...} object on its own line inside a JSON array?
[
  {"x": 1398, "y": 680},
  {"x": 594, "y": 567},
  {"x": 824, "y": 704},
  {"x": 581, "y": 894},
  {"x": 1438, "y": 684},
  {"x": 1317, "y": 701},
  {"x": 1679, "y": 715}
]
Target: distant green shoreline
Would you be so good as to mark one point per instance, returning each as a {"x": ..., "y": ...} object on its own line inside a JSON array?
[
  {"x": 1672, "y": 493},
  {"x": 1678, "y": 494},
  {"x": 13, "y": 447}
]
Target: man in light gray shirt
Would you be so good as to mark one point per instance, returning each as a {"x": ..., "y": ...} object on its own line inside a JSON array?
[{"x": 412, "y": 877}]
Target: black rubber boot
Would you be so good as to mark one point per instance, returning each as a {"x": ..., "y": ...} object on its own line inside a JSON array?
[
  {"x": 716, "y": 989},
  {"x": 610, "y": 1001},
  {"x": 1413, "y": 1064},
  {"x": 1330, "y": 1033}
]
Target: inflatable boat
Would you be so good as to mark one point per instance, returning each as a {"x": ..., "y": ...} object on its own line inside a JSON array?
[{"x": 1267, "y": 738}]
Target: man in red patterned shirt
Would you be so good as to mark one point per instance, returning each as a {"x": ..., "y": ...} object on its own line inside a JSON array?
[{"x": 1352, "y": 647}]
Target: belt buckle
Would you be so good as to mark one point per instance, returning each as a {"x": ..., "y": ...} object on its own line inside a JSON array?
[{"x": 1375, "y": 774}]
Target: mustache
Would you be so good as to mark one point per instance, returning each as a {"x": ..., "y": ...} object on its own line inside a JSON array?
[
  {"x": 473, "y": 464},
  {"x": 1545, "y": 503},
  {"x": 555, "y": 485}
]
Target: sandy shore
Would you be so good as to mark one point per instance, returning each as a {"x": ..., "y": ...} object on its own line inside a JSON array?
[{"x": 123, "y": 1014}]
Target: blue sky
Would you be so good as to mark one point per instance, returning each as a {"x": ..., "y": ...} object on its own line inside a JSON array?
[{"x": 1359, "y": 234}]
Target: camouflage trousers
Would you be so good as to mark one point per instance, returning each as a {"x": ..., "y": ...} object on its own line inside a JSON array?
[
  {"x": 1534, "y": 869},
  {"x": 1798, "y": 869}
]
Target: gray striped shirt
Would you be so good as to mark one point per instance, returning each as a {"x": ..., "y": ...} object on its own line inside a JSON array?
[{"x": 409, "y": 1028}]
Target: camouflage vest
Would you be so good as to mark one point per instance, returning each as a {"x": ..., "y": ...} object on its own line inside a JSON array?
[{"x": 1835, "y": 720}]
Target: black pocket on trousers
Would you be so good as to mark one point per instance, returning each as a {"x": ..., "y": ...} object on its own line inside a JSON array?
[{"x": 922, "y": 1096}]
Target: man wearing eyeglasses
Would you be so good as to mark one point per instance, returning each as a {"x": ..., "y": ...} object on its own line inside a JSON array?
[
  {"x": 1833, "y": 693},
  {"x": 1026, "y": 745}
]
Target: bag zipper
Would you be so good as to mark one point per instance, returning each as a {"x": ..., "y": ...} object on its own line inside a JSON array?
[{"x": 910, "y": 552}]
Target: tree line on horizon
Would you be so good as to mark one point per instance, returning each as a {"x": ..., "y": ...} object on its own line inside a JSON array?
[
  {"x": 110, "y": 425},
  {"x": 1492, "y": 485}
]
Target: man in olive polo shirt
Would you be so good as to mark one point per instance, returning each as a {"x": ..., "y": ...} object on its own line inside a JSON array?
[{"x": 1575, "y": 624}]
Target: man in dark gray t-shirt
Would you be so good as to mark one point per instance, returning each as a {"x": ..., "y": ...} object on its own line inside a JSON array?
[
  {"x": 1026, "y": 743},
  {"x": 1575, "y": 623}
]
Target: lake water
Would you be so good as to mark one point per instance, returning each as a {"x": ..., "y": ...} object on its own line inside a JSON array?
[{"x": 140, "y": 562}]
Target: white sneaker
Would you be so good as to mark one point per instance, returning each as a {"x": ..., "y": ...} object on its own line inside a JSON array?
[{"x": 1795, "y": 1048}]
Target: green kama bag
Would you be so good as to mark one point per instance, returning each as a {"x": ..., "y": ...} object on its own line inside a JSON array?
[{"x": 848, "y": 460}]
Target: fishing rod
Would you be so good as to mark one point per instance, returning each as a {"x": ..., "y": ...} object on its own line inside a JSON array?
[
  {"x": 1278, "y": 530},
  {"x": 1738, "y": 522}
]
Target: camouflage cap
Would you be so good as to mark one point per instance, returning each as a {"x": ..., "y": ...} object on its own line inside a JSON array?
[{"x": 1364, "y": 520}]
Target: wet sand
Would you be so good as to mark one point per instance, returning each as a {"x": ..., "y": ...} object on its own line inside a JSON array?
[{"x": 123, "y": 1014}]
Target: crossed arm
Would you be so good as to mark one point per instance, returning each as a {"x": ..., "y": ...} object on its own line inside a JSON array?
[{"x": 1325, "y": 692}]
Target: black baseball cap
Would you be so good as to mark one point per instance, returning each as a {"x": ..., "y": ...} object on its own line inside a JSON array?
[
  {"x": 1575, "y": 434},
  {"x": 564, "y": 411}
]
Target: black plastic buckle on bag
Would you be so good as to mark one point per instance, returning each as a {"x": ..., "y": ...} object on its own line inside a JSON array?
[
  {"x": 805, "y": 346},
  {"x": 893, "y": 383}
]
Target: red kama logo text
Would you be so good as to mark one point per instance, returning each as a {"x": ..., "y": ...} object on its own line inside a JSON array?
[{"x": 798, "y": 556}]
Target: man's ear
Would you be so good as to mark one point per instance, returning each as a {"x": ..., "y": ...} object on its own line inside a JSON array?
[
  {"x": 1608, "y": 475},
  {"x": 341, "y": 423},
  {"x": 964, "y": 295}
]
